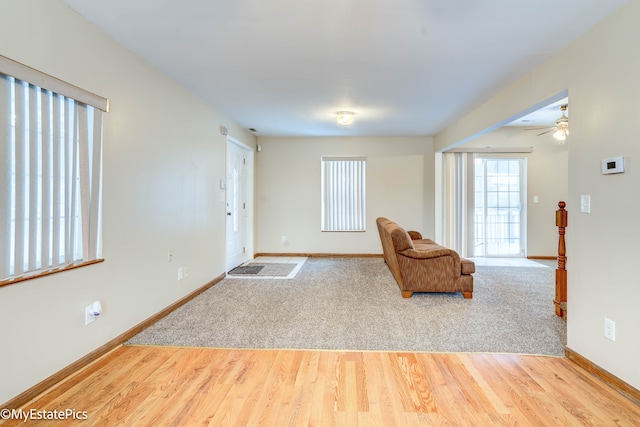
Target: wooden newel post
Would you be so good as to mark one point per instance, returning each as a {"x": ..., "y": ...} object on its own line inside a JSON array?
[{"x": 561, "y": 272}]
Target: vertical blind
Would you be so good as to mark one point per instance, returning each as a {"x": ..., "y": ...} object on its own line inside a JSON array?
[
  {"x": 50, "y": 179},
  {"x": 343, "y": 193},
  {"x": 458, "y": 202}
]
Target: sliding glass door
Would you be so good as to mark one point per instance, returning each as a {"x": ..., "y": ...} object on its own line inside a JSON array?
[{"x": 499, "y": 220}]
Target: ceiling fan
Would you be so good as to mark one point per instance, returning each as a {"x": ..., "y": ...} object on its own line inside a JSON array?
[{"x": 561, "y": 128}]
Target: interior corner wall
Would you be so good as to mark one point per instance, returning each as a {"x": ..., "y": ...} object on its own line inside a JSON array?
[
  {"x": 399, "y": 186},
  {"x": 600, "y": 72},
  {"x": 163, "y": 158},
  {"x": 547, "y": 178}
]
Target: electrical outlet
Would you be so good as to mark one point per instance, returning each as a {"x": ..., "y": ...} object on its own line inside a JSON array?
[
  {"x": 91, "y": 312},
  {"x": 609, "y": 329},
  {"x": 283, "y": 239},
  {"x": 88, "y": 315},
  {"x": 180, "y": 273}
]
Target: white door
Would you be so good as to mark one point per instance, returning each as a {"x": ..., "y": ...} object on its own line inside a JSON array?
[
  {"x": 500, "y": 221},
  {"x": 239, "y": 190}
]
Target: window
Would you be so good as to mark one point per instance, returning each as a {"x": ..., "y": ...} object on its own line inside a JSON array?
[
  {"x": 50, "y": 174},
  {"x": 343, "y": 193}
]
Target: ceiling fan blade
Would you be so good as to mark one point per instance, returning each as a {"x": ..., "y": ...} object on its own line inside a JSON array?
[
  {"x": 542, "y": 127},
  {"x": 550, "y": 130}
]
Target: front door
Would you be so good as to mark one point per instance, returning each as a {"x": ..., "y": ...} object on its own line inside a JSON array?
[{"x": 237, "y": 182}]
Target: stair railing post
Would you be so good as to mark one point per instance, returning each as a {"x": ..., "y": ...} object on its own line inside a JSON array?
[{"x": 560, "y": 301}]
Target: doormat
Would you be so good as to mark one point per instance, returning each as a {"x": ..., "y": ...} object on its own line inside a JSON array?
[
  {"x": 266, "y": 270},
  {"x": 247, "y": 269}
]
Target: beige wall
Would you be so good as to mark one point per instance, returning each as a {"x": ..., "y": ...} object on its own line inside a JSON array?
[
  {"x": 163, "y": 157},
  {"x": 399, "y": 186},
  {"x": 547, "y": 178},
  {"x": 601, "y": 73}
]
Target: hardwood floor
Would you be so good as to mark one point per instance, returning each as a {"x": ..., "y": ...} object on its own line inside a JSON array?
[{"x": 144, "y": 385}]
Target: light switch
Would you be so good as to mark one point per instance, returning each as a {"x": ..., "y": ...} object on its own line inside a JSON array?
[
  {"x": 536, "y": 199},
  {"x": 585, "y": 203}
]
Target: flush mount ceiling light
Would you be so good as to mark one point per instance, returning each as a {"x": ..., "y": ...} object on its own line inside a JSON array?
[{"x": 344, "y": 118}]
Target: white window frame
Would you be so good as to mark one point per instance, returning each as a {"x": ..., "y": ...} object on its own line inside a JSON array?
[
  {"x": 343, "y": 192},
  {"x": 50, "y": 174}
]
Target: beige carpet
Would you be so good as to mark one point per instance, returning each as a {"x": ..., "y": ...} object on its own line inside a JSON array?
[{"x": 355, "y": 304}]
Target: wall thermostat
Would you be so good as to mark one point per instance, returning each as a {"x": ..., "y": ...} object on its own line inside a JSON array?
[{"x": 612, "y": 165}]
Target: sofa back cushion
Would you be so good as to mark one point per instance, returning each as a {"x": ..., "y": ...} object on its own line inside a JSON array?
[
  {"x": 385, "y": 238},
  {"x": 400, "y": 238},
  {"x": 394, "y": 238}
]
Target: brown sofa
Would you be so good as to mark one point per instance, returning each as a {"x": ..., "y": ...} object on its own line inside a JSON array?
[{"x": 421, "y": 265}]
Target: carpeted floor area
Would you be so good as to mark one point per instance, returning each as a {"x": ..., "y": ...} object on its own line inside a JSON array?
[{"x": 355, "y": 304}]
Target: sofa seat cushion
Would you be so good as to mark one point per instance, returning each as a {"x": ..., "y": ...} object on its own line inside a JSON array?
[
  {"x": 426, "y": 245},
  {"x": 466, "y": 266}
]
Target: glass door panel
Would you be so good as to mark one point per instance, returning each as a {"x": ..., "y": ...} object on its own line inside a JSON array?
[{"x": 499, "y": 192}]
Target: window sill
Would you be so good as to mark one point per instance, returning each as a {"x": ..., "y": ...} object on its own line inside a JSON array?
[{"x": 30, "y": 276}]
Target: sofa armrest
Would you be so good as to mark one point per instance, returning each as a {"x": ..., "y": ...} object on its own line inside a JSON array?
[{"x": 415, "y": 235}]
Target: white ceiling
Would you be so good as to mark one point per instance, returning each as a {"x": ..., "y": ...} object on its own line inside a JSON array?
[
  {"x": 546, "y": 116},
  {"x": 405, "y": 67}
]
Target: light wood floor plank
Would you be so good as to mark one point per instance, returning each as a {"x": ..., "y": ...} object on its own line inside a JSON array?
[
  {"x": 558, "y": 392},
  {"x": 380, "y": 396},
  {"x": 517, "y": 389},
  {"x": 595, "y": 399},
  {"x": 228, "y": 387}
]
